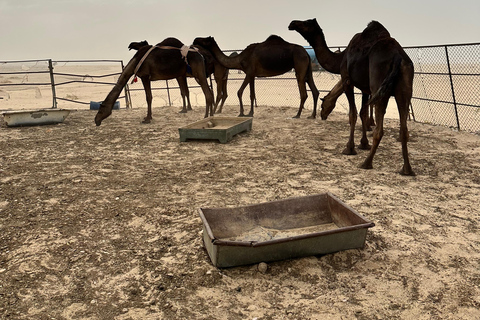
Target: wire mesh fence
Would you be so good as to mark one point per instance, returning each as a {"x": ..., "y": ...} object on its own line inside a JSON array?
[
  {"x": 447, "y": 85},
  {"x": 446, "y": 88}
]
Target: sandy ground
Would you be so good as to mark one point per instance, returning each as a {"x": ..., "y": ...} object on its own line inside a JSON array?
[{"x": 102, "y": 222}]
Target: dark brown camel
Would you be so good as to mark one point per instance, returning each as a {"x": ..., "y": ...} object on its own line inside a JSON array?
[
  {"x": 376, "y": 64},
  {"x": 162, "y": 62},
  {"x": 270, "y": 58},
  {"x": 212, "y": 66}
]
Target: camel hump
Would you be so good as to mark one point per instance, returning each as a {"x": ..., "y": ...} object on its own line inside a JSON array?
[
  {"x": 173, "y": 42},
  {"x": 375, "y": 31},
  {"x": 276, "y": 38}
]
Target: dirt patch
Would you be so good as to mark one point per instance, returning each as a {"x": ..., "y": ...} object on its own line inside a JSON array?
[{"x": 102, "y": 222}]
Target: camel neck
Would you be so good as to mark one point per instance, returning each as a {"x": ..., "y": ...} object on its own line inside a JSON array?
[
  {"x": 127, "y": 72},
  {"x": 224, "y": 60},
  {"x": 330, "y": 61}
]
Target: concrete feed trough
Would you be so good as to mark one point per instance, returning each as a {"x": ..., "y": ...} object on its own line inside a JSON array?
[
  {"x": 215, "y": 128},
  {"x": 283, "y": 229}
]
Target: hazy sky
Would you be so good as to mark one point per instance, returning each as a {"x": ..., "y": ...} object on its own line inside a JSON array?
[{"x": 102, "y": 29}]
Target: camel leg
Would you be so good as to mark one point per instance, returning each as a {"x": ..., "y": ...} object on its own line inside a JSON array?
[
  {"x": 182, "y": 83},
  {"x": 371, "y": 120},
  {"x": 377, "y": 135},
  {"x": 352, "y": 117},
  {"x": 202, "y": 81},
  {"x": 253, "y": 101},
  {"x": 148, "y": 94},
  {"x": 240, "y": 94},
  {"x": 219, "y": 97},
  {"x": 364, "y": 117},
  {"x": 315, "y": 95},
  {"x": 208, "y": 99},
  {"x": 303, "y": 95},
  {"x": 403, "y": 114},
  {"x": 221, "y": 92},
  {"x": 224, "y": 92}
]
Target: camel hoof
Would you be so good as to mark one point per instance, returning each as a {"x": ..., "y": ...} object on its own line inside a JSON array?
[
  {"x": 296, "y": 117},
  {"x": 146, "y": 121},
  {"x": 349, "y": 151},
  {"x": 407, "y": 172},
  {"x": 312, "y": 117},
  {"x": 182, "y": 111},
  {"x": 366, "y": 165},
  {"x": 364, "y": 146}
]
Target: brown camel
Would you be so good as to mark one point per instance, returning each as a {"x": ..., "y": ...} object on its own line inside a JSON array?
[
  {"x": 270, "y": 58},
  {"x": 376, "y": 64},
  {"x": 212, "y": 66},
  {"x": 161, "y": 62}
]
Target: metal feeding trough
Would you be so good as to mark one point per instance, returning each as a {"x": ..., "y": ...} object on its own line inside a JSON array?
[
  {"x": 283, "y": 229},
  {"x": 34, "y": 117},
  {"x": 215, "y": 128}
]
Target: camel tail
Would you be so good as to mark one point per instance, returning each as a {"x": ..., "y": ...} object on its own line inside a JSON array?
[{"x": 388, "y": 84}]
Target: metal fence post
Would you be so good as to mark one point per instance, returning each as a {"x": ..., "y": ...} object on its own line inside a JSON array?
[
  {"x": 451, "y": 85},
  {"x": 168, "y": 93},
  {"x": 52, "y": 80}
]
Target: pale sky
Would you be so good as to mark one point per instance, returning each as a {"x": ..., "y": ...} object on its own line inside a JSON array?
[{"x": 102, "y": 29}]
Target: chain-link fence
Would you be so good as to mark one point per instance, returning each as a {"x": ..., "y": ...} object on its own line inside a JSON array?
[{"x": 446, "y": 88}]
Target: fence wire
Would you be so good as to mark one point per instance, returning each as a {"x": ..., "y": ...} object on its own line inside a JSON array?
[
  {"x": 39, "y": 84},
  {"x": 446, "y": 88}
]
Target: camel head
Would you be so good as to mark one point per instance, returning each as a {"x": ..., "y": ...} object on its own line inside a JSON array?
[
  {"x": 327, "y": 107},
  {"x": 137, "y": 45},
  {"x": 207, "y": 43},
  {"x": 103, "y": 112},
  {"x": 305, "y": 28}
]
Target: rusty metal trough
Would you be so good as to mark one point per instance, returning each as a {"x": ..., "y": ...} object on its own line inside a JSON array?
[{"x": 283, "y": 229}]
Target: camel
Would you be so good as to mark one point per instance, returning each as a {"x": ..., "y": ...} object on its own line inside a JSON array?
[
  {"x": 212, "y": 66},
  {"x": 376, "y": 64},
  {"x": 270, "y": 58},
  {"x": 161, "y": 62}
]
